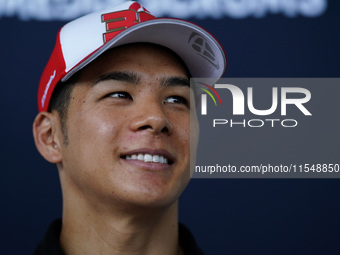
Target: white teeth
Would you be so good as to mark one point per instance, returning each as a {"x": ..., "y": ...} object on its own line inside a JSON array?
[
  {"x": 155, "y": 158},
  {"x": 161, "y": 159},
  {"x": 148, "y": 158},
  {"x": 140, "y": 156}
]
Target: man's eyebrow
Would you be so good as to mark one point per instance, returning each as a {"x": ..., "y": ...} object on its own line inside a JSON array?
[
  {"x": 175, "y": 81},
  {"x": 133, "y": 78},
  {"x": 128, "y": 77}
]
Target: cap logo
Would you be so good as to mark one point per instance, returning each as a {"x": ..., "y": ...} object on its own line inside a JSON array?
[
  {"x": 116, "y": 22},
  {"x": 203, "y": 49}
]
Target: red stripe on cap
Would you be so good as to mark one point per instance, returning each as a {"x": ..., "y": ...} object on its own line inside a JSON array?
[
  {"x": 135, "y": 6},
  {"x": 53, "y": 73}
]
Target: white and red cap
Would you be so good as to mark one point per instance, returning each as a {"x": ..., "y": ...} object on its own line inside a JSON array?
[{"x": 80, "y": 41}]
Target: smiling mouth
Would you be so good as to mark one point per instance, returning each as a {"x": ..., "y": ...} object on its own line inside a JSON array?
[{"x": 148, "y": 158}]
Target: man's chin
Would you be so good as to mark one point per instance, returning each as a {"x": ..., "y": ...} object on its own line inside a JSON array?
[{"x": 146, "y": 197}]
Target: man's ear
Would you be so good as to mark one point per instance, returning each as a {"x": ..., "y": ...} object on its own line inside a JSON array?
[{"x": 46, "y": 128}]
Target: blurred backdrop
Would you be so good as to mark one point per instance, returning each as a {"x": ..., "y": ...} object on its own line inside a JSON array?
[{"x": 262, "y": 38}]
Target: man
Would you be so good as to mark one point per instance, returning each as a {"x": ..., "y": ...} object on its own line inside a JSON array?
[{"x": 115, "y": 116}]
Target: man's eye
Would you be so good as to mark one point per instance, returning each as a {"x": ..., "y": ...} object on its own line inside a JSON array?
[
  {"x": 120, "y": 94},
  {"x": 176, "y": 100}
]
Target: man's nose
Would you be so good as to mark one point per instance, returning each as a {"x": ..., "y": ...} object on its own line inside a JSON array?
[{"x": 151, "y": 116}]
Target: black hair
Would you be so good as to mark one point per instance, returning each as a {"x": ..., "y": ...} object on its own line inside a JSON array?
[{"x": 60, "y": 101}]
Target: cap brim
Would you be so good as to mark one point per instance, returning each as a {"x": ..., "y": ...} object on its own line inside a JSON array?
[{"x": 200, "y": 51}]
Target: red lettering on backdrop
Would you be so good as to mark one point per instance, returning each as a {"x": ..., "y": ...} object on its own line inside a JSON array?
[{"x": 116, "y": 22}]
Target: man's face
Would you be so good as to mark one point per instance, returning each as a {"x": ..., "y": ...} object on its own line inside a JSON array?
[{"x": 128, "y": 127}]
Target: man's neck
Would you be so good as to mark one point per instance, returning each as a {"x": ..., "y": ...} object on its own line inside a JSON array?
[{"x": 153, "y": 231}]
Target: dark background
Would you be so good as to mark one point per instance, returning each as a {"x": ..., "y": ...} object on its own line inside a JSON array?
[{"x": 227, "y": 216}]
